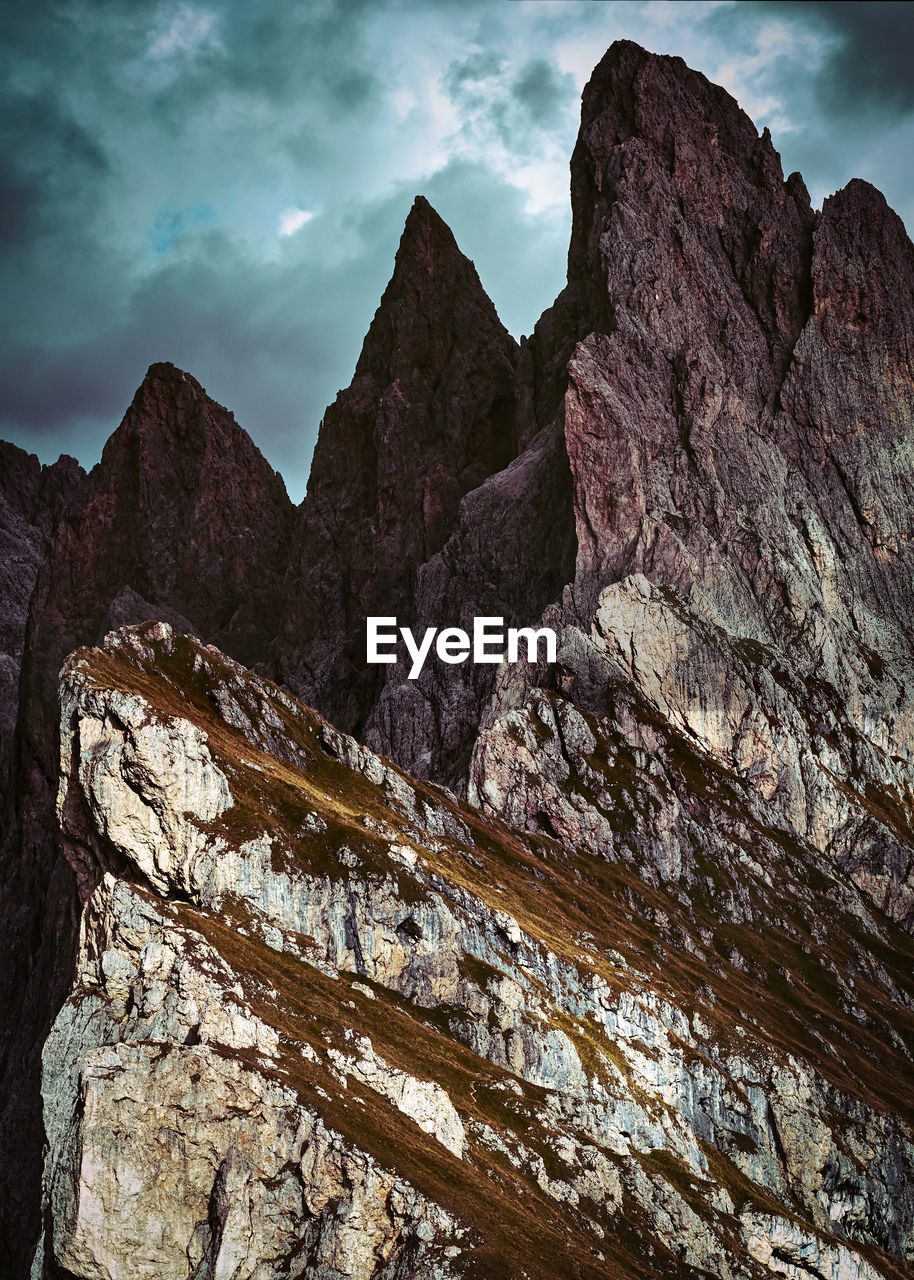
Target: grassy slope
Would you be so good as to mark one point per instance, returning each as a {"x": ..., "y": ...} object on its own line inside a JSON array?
[{"x": 782, "y": 992}]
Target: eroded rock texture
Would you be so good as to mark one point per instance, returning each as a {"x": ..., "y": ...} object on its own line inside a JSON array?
[
  {"x": 642, "y": 1005},
  {"x": 429, "y": 415},
  {"x": 182, "y": 519},
  {"x": 741, "y": 465},
  {"x": 329, "y": 1021}
]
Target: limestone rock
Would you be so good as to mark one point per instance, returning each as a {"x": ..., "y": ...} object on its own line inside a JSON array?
[{"x": 372, "y": 1001}]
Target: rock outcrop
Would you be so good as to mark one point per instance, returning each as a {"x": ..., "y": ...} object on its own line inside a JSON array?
[{"x": 368, "y": 1032}]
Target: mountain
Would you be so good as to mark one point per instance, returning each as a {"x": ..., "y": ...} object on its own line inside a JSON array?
[
  {"x": 429, "y": 415},
  {"x": 369, "y": 1031},
  {"x": 182, "y": 516},
  {"x": 599, "y": 967}
]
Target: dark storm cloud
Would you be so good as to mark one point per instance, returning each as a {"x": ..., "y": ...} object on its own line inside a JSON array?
[
  {"x": 541, "y": 89},
  {"x": 471, "y": 71},
  {"x": 869, "y": 66},
  {"x": 47, "y": 161},
  {"x": 80, "y": 325},
  {"x": 516, "y": 105},
  {"x": 272, "y": 54}
]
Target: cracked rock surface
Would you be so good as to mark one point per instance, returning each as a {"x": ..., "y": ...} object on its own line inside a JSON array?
[{"x": 328, "y": 1020}]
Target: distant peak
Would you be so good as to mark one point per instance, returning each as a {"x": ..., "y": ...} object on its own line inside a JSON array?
[
  {"x": 427, "y": 241},
  {"x": 423, "y": 213},
  {"x": 166, "y": 384},
  {"x": 164, "y": 372},
  {"x": 861, "y": 198},
  {"x": 431, "y": 277}
]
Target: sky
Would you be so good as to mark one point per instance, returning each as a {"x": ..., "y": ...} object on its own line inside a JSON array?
[{"x": 223, "y": 184}]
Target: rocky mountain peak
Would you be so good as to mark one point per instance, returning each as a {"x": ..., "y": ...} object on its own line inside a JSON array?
[
  {"x": 172, "y": 425},
  {"x": 38, "y": 494},
  {"x": 658, "y": 99},
  {"x": 662, "y": 143},
  {"x": 676, "y": 201},
  {"x": 434, "y": 299},
  {"x": 178, "y": 509},
  {"x": 429, "y": 415},
  {"x": 864, "y": 270},
  {"x": 163, "y": 373},
  {"x": 427, "y": 243},
  {"x": 164, "y": 390},
  {"x": 32, "y": 499}
]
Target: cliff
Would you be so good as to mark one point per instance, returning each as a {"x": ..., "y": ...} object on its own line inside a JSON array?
[{"x": 371, "y": 1032}]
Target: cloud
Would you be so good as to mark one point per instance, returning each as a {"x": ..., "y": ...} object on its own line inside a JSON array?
[
  {"x": 185, "y": 30},
  {"x": 542, "y": 90},
  {"x": 292, "y": 220},
  {"x": 868, "y": 67}
]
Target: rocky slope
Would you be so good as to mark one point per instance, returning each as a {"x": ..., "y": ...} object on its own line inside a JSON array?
[
  {"x": 641, "y": 1004},
  {"x": 372, "y": 1033}
]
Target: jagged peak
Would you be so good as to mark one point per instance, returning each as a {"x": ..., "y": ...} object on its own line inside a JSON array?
[
  {"x": 432, "y": 276},
  {"x": 164, "y": 379},
  {"x": 663, "y": 143},
  {"x": 863, "y": 270},
  {"x": 865, "y": 218},
  {"x": 171, "y": 403},
  {"x": 163, "y": 371},
  {"x": 659, "y": 99},
  {"x": 859, "y": 199},
  {"x": 428, "y": 251},
  {"x": 173, "y": 423},
  {"x": 425, "y": 231}
]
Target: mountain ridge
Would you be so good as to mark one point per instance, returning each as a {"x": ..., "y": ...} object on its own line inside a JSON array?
[{"x": 699, "y": 471}]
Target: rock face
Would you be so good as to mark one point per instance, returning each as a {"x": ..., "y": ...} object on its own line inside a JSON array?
[
  {"x": 369, "y": 1032},
  {"x": 32, "y": 499},
  {"x": 741, "y": 468},
  {"x": 510, "y": 554},
  {"x": 181, "y": 517},
  {"x": 429, "y": 415},
  {"x": 641, "y": 1005}
]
